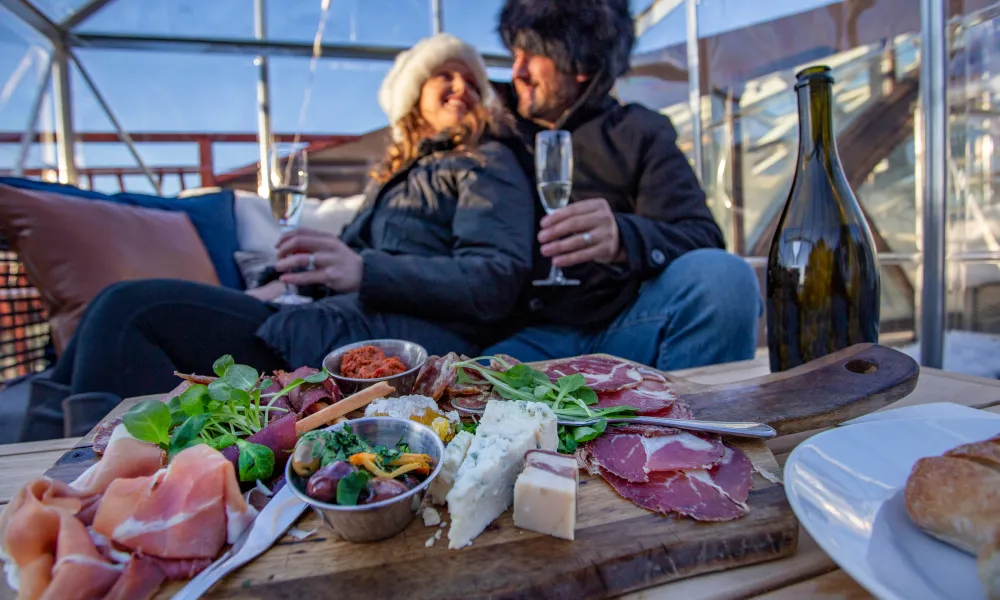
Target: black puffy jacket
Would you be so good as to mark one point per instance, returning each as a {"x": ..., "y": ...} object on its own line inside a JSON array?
[
  {"x": 447, "y": 240},
  {"x": 628, "y": 155}
]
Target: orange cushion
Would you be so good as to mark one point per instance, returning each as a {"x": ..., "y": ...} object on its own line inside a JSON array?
[{"x": 73, "y": 248}]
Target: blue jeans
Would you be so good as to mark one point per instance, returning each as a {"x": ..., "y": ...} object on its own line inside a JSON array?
[{"x": 703, "y": 309}]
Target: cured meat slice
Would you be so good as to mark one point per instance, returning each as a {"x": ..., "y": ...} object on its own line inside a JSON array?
[
  {"x": 102, "y": 434},
  {"x": 48, "y": 547},
  {"x": 188, "y": 510},
  {"x": 716, "y": 494},
  {"x": 436, "y": 375},
  {"x": 305, "y": 395},
  {"x": 124, "y": 456},
  {"x": 141, "y": 579},
  {"x": 647, "y": 398},
  {"x": 602, "y": 374},
  {"x": 633, "y": 452}
]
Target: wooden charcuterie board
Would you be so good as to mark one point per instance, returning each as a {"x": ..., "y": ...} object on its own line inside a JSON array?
[{"x": 619, "y": 547}]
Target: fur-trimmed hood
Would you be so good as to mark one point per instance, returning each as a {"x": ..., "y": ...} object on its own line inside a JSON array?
[{"x": 583, "y": 37}]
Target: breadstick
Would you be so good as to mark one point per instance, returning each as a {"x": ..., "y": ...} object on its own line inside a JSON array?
[{"x": 348, "y": 404}]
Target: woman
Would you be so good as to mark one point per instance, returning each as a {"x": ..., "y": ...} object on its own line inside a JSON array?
[{"x": 437, "y": 254}]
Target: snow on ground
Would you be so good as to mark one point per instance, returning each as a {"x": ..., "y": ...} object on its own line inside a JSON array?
[{"x": 967, "y": 352}]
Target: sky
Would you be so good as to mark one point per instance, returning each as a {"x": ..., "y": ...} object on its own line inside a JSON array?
[{"x": 151, "y": 91}]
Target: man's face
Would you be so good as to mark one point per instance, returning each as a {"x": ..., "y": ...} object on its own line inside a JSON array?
[{"x": 543, "y": 92}]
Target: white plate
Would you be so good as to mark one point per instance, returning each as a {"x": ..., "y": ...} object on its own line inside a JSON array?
[{"x": 846, "y": 487}]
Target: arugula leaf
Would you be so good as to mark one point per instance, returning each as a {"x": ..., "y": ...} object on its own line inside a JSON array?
[
  {"x": 470, "y": 427},
  {"x": 318, "y": 377},
  {"x": 193, "y": 400},
  {"x": 571, "y": 383},
  {"x": 241, "y": 397},
  {"x": 519, "y": 376},
  {"x": 149, "y": 421},
  {"x": 567, "y": 445},
  {"x": 187, "y": 434},
  {"x": 349, "y": 487},
  {"x": 177, "y": 414},
  {"x": 220, "y": 390},
  {"x": 255, "y": 462},
  {"x": 265, "y": 384},
  {"x": 587, "y": 433},
  {"x": 222, "y": 364},
  {"x": 222, "y": 442},
  {"x": 241, "y": 377},
  {"x": 587, "y": 395}
]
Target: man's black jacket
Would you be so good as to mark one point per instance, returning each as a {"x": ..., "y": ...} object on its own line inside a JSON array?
[{"x": 628, "y": 155}]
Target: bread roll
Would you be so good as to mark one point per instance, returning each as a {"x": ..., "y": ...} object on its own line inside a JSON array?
[{"x": 956, "y": 498}]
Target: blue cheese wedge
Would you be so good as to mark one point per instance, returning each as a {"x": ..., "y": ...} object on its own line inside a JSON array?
[
  {"x": 524, "y": 415},
  {"x": 454, "y": 454},
  {"x": 484, "y": 484},
  {"x": 545, "y": 494}
]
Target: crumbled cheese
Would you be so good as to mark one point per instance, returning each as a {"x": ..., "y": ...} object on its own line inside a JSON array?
[
  {"x": 430, "y": 542},
  {"x": 431, "y": 517},
  {"x": 444, "y": 524},
  {"x": 484, "y": 484},
  {"x": 454, "y": 454},
  {"x": 405, "y": 407},
  {"x": 545, "y": 494},
  {"x": 437, "y": 534}
]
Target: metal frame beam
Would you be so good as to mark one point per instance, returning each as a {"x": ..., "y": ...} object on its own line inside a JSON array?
[
  {"x": 29, "y": 135},
  {"x": 694, "y": 82},
  {"x": 653, "y": 14},
  {"x": 83, "y": 13},
  {"x": 247, "y": 47},
  {"x": 62, "y": 99},
  {"x": 934, "y": 129},
  {"x": 437, "y": 17},
  {"x": 27, "y": 12},
  {"x": 263, "y": 102}
]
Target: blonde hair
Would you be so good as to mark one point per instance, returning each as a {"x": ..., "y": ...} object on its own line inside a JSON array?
[{"x": 414, "y": 129}]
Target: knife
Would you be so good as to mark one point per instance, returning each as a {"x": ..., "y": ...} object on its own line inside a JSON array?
[{"x": 281, "y": 511}]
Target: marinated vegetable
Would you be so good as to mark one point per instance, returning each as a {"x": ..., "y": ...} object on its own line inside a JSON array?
[{"x": 344, "y": 469}]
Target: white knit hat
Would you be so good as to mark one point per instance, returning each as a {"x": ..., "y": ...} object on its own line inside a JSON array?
[{"x": 400, "y": 90}]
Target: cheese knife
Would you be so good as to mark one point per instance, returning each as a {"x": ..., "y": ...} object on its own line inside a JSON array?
[{"x": 748, "y": 429}]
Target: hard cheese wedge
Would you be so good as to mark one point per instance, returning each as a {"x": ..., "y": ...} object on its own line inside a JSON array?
[
  {"x": 484, "y": 485},
  {"x": 545, "y": 494}
]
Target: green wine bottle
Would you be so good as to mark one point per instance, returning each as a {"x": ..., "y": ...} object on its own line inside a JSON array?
[{"x": 823, "y": 277}]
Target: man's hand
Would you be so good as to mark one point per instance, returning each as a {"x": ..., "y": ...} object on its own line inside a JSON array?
[
  {"x": 583, "y": 231},
  {"x": 333, "y": 263}
]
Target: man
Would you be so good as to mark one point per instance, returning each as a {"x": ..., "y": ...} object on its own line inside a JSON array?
[{"x": 657, "y": 285}]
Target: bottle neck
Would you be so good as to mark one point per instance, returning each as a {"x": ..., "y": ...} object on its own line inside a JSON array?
[{"x": 816, "y": 139}]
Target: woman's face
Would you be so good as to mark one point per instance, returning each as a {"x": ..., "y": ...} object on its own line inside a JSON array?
[{"x": 448, "y": 95}]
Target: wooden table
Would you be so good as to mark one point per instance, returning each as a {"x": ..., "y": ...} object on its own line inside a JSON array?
[{"x": 810, "y": 573}]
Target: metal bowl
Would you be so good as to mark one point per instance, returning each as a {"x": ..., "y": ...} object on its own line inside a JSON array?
[
  {"x": 379, "y": 520},
  {"x": 412, "y": 355}
]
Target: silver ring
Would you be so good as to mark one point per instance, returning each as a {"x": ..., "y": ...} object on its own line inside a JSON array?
[
  {"x": 312, "y": 263},
  {"x": 587, "y": 238}
]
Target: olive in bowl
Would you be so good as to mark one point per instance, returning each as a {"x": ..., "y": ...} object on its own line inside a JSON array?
[{"x": 361, "y": 501}]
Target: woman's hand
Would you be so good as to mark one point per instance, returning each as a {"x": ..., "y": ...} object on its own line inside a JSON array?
[
  {"x": 267, "y": 292},
  {"x": 334, "y": 264}
]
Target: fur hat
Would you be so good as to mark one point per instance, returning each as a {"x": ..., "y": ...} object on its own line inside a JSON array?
[
  {"x": 400, "y": 90},
  {"x": 583, "y": 37}
]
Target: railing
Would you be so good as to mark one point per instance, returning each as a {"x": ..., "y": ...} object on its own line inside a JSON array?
[{"x": 204, "y": 169}]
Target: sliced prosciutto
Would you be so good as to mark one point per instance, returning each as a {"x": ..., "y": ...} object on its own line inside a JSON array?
[
  {"x": 647, "y": 398},
  {"x": 716, "y": 494},
  {"x": 124, "y": 456},
  {"x": 602, "y": 374},
  {"x": 191, "y": 509},
  {"x": 633, "y": 452}
]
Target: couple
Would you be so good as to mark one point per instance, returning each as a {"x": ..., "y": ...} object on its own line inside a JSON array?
[{"x": 444, "y": 248}]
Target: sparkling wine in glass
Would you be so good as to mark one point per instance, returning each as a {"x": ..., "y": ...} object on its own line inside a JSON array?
[
  {"x": 554, "y": 177},
  {"x": 289, "y": 184}
]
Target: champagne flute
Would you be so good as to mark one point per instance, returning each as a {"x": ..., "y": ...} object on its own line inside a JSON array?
[
  {"x": 554, "y": 177},
  {"x": 289, "y": 176}
]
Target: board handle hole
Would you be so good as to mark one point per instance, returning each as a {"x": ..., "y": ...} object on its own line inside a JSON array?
[{"x": 861, "y": 366}]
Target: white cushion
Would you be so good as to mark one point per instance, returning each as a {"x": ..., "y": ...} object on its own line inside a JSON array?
[{"x": 257, "y": 231}]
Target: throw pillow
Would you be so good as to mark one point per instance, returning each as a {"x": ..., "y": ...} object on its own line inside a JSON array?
[
  {"x": 73, "y": 248},
  {"x": 212, "y": 215}
]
